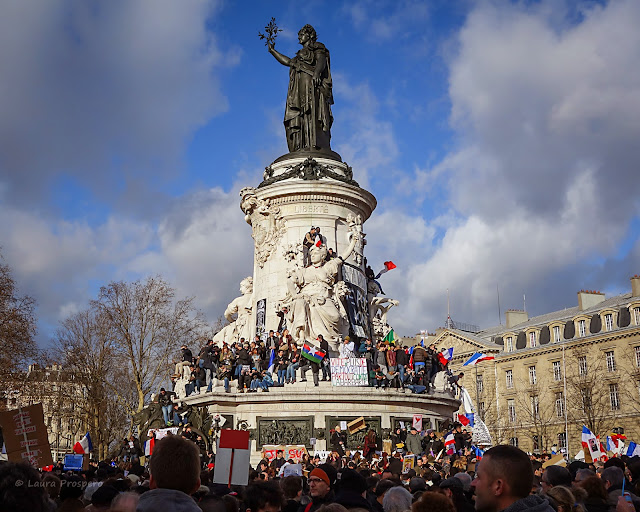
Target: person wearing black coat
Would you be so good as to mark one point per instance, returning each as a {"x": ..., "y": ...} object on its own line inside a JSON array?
[
  {"x": 326, "y": 369},
  {"x": 402, "y": 360}
]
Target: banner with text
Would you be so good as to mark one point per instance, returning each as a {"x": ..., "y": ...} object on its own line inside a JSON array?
[
  {"x": 351, "y": 371},
  {"x": 25, "y": 436},
  {"x": 291, "y": 451}
]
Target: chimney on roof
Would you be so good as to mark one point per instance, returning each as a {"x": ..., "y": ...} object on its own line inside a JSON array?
[
  {"x": 515, "y": 317},
  {"x": 635, "y": 286},
  {"x": 589, "y": 298}
]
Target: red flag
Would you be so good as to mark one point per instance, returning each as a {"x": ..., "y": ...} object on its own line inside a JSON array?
[{"x": 389, "y": 265}]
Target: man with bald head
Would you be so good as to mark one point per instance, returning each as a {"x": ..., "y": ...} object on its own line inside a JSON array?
[{"x": 503, "y": 482}]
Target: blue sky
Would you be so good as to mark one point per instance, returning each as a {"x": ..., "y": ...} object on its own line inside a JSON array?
[{"x": 500, "y": 139}]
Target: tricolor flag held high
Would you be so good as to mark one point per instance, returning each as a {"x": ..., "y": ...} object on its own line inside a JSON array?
[
  {"x": 449, "y": 443},
  {"x": 84, "y": 445},
  {"x": 312, "y": 353},
  {"x": 388, "y": 265},
  {"x": 272, "y": 361},
  {"x": 445, "y": 356},
  {"x": 477, "y": 358},
  {"x": 591, "y": 442}
]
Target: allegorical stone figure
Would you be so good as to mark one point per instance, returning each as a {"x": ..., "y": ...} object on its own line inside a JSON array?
[{"x": 307, "y": 115}]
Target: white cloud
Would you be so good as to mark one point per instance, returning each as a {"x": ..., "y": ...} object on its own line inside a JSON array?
[{"x": 544, "y": 177}]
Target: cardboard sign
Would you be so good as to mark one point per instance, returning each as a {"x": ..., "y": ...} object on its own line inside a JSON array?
[
  {"x": 349, "y": 371},
  {"x": 408, "y": 463},
  {"x": 25, "y": 436},
  {"x": 356, "y": 425},
  {"x": 417, "y": 422}
]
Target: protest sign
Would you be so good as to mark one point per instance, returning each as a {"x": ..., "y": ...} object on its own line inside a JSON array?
[
  {"x": 232, "y": 458},
  {"x": 408, "y": 463},
  {"x": 25, "y": 435},
  {"x": 417, "y": 422},
  {"x": 291, "y": 451},
  {"x": 349, "y": 371},
  {"x": 292, "y": 469}
]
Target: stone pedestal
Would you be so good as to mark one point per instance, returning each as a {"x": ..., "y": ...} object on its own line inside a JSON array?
[{"x": 282, "y": 210}]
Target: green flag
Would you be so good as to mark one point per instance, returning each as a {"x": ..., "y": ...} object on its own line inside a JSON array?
[{"x": 389, "y": 338}]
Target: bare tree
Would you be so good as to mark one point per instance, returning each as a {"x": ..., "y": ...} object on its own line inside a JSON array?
[
  {"x": 147, "y": 326},
  {"x": 85, "y": 348},
  {"x": 538, "y": 413},
  {"x": 591, "y": 391},
  {"x": 17, "y": 330}
]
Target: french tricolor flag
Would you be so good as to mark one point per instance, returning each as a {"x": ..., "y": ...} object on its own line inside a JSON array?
[
  {"x": 84, "y": 445},
  {"x": 477, "y": 358},
  {"x": 445, "y": 356},
  {"x": 449, "y": 443}
]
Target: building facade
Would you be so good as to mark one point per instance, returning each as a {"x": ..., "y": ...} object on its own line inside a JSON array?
[{"x": 556, "y": 372}]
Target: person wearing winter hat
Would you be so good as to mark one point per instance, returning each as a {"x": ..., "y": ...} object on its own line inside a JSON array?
[
  {"x": 352, "y": 487},
  {"x": 321, "y": 481}
]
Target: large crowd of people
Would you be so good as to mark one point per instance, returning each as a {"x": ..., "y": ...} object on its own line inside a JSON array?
[
  {"x": 174, "y": 480},
  {"x": 276, "y": 361}
]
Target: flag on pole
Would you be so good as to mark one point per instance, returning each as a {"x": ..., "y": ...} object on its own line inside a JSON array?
[
  {"x": 390, "y": 337},
  {"x": 318, "y": 241},
  {"x": 312, "y": 353},
  {"x": 463, "y": 419},
  {"x": 411, "y": 357},
  {"x": 633, "y": 449},
  {"x": 479, "y": 453},
  {"x": 388, "y": 265},
  {"x": 477, "y": 358},
  {"x": 84, "y": 445},
  {"x": 445, "y": 356}
]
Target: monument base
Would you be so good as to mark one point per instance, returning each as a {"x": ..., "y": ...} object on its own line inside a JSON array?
[{"x": 297, "y": 413}]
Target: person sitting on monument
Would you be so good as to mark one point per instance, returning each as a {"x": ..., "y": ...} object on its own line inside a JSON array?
[
  {"x": 224, "y": 372},
  {"x": 380, "y": 377},
  {"x": 267, "y": 380},
  {"x": 415, "y": 381},
  {"x": 281, "y": 365},
  {"x": 179, "y": 415},
  {"x": 174, "y": 470},
  {"x": 307, "y": 243},
  {"x": 347, "y": 349},
  {"x": 294, "y": 364},
  {"x": 331, "y": 254},
  {"x": 256, "y": 382}
]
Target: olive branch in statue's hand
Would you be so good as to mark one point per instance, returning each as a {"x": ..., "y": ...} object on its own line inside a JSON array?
[{"x": 271, "y": 33}]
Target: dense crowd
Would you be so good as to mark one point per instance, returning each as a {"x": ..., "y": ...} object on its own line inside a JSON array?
[
  {"x": 277, "y": 361},
  {"x": 504, "y": 479}
]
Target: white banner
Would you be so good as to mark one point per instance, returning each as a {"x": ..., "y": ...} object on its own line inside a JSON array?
[{"x": 350, "y": 371}]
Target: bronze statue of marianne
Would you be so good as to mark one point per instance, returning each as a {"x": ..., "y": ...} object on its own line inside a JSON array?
[{"x": 307, "y": 115}]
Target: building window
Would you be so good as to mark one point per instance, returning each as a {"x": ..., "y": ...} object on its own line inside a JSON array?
[
  {"x": 481, "y": 410},
  {"x": 535, "y": 407},
  {"x": 582, "y": 327},
  {"x": 479, "y": 383},
  {"x": 536, "y": 443},
  {"x": 637, "y": 352},
  {"x": 582, "y": 365},
  {"x": 511, "y": 407},
  {"x": 562, "y": 440},
  {"x": 532, "y": 375},
  {"x": 557, "y": 371},
  {"x": 608, "y": 322},
  {"x": 613, "y": 397},
  {"x": 611, "y": 361},
  {"x": 533, "y": 339},
  {"x": 559, "y": 404},
  {"x": 513, "y": 441},
  {"x": 556, "y": 333},
  {"x": 636, "y": 315},
  {"x": 509, "y": 375},
  {"x": 509, "y": 344}
]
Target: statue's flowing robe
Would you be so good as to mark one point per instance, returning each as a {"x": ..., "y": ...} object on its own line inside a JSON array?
[{"x": 307, "y": 115}]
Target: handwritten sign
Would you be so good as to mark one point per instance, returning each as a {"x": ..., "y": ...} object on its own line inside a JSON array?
[
  {"x": 291, "y": 451},
  {"x": 349, "y": 371},
  {"x": 25, "y": 436}
]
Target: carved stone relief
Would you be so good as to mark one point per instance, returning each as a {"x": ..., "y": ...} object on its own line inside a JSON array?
[{"x": 267, "y": 223}]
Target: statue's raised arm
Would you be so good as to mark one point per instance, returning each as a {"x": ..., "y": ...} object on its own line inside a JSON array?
[{"x": 307, "y": 115}]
